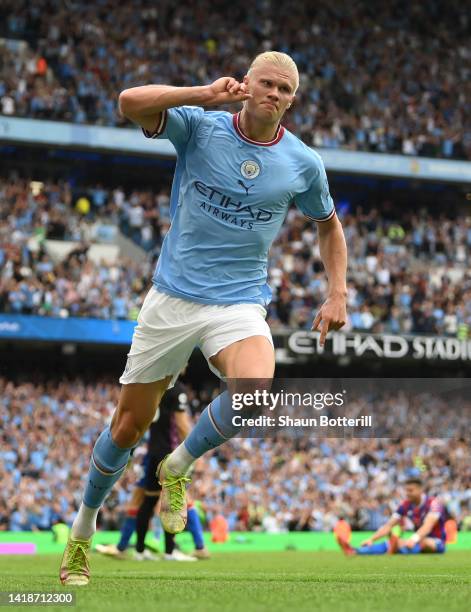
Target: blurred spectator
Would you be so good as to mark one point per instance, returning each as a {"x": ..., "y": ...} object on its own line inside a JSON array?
[{"x": 389, "y": 77}]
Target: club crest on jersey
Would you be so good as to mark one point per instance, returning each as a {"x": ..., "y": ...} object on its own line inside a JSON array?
[{"x": 249, "y": 169}]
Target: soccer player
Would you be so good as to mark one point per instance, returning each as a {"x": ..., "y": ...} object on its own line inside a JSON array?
[
  {"x": 235, "y": 179},
  {"x": 427, "y": 514}
]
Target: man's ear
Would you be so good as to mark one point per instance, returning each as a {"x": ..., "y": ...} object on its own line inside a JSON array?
[
  {"x": 246, "y": 80},
  {"x": 292, "y": 102}
]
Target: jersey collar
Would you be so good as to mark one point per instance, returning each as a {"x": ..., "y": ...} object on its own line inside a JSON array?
[{"x": 278, "y": 136}]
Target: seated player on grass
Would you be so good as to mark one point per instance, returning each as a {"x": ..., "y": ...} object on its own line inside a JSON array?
[{"x": 426, "y": 513}]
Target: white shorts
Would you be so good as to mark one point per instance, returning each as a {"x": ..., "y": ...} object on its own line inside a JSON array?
[{"x": 169, "y": 328}]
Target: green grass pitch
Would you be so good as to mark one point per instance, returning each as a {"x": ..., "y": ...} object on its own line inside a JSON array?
[{"x": 247, "y": 582}]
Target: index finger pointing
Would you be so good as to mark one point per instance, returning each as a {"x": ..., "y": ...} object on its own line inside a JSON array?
[
  {"x": 316, "y": 321},
  {"x": 324, "y": 330}
]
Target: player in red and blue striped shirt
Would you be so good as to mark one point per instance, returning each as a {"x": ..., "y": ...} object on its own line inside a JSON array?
[{"x": 427, "y": 515}]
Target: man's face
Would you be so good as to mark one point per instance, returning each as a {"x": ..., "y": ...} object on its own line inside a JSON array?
[
  {"x": 413, "y": 492},
  {"x": 272, "y": 92}
]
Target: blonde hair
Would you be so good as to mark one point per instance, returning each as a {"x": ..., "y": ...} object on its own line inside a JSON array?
[{"x": 282, "y": 60}]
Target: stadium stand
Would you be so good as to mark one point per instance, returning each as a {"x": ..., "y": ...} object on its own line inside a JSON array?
[{"x": 399, "y": 87}]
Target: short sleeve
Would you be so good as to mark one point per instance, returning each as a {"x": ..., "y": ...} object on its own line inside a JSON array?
[
  {"x": 177, "y": 124},
  {"x": 316, "y": 202}
]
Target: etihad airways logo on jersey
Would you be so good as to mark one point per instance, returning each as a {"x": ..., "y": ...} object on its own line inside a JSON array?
[{"x": 223, "y": 207}]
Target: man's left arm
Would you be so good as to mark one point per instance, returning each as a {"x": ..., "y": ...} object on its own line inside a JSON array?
[
  {"x": 333, "y": 312},
  {"x": 423, "y": 531}
]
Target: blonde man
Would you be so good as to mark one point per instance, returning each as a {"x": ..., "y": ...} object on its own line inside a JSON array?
[{"x": 235, "y": 178}]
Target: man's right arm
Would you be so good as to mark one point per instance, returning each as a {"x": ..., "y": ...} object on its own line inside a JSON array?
[
  {"x": 144, "y": 105},
  {"x": 383, "y": 531}
]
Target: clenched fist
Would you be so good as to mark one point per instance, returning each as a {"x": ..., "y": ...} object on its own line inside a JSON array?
[{"x": 226, "y": 90}]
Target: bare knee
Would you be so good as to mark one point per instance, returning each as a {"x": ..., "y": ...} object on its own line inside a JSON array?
[
  {"x": 126, "y": 430},
  {"x": 136, "y": 409}
]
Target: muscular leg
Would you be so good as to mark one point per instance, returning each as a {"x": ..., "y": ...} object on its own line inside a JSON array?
[
  {"x": 137, "y": 405},
  {"x": 251, "y": 358},
  {"x": 248, "y": 365},
  {"x": 136, "y": 409}
]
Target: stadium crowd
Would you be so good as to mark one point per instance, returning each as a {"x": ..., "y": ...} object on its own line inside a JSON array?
[
  {"x": 389, "y": 77},
  {"x": 48, "y": 430},
  {"x": 408, "y": 271}
]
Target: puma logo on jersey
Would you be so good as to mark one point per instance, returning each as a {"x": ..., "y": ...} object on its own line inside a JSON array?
[{"x": 241, "y": 183}]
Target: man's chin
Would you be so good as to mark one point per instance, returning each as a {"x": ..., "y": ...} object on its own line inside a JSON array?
[
  {"x": 264, "y": 114},
  {"x": 271, "y": 111},
  {"x": 267, "y": 114}
]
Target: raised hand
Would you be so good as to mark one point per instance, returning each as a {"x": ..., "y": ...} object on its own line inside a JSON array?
[{"x": 226, "y": 90}]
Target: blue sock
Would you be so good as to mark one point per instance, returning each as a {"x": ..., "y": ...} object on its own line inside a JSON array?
[
  {"x": 195, "y": 528},
  {"x": 107, "y": 464},
  {"x": 405, "y": 550},
  {"x": 214, "y": 427},
  {"x": 127, "y": 530},
  {"x": 375, "y": 549},
  {"x": 440, "y": 547}
]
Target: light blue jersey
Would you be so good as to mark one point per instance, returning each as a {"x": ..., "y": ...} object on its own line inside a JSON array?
[{"x": 230, "y": 196}]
